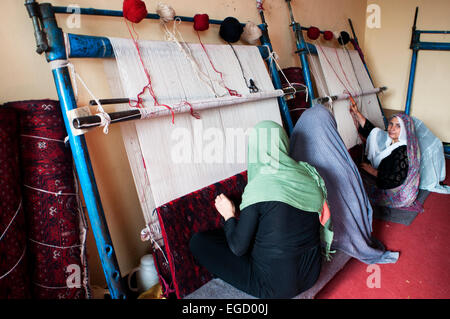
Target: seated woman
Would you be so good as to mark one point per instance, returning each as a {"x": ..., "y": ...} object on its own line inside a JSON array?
[
  {"x": 394, "y": 158},
  {"x": 274, "y": 249},
  {"x": 315, "y": 140}
]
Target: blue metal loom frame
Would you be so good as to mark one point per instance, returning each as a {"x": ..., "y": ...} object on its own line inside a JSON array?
[
  {"x": 83, "y": 46},
  {"x": 415, "y": 46}
]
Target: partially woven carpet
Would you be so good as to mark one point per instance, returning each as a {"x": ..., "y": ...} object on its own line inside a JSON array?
[{"x": 179, "y": 220}]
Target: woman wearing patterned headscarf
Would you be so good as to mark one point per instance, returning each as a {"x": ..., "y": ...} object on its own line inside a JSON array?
[{"x": 394, "y": 158}]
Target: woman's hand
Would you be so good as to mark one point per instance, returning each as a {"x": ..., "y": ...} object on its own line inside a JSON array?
[
  {"x": 225, "y": 206},
  {"x": 354, "y": 111},
  {"x": 369, "y": 169},
  {"x": 353, "y": 108}
]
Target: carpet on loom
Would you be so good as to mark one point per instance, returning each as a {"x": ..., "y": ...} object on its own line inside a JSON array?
[
  {"x": 179, "y": 220},
  {"x": 181, "y": 276}
]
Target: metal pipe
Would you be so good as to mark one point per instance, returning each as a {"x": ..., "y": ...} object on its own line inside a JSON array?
[
  {"x": 412, "y": 74},
  {"x": 344, "y": 96},
  {"x": 87, "y": 46},
  {"x": 433, "y": 32},
  {"x": 81, "y": 157},
  {"x": 434, "y": 46},
  {"x": 415, "y": 38},
  {"x": 417, "y": 45},
  {"x": 302, "y": 48},
  {"x": 284, "y": 108},
  {"x": 117, "y": 13}
]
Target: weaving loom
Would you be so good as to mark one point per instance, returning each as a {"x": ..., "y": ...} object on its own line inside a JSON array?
[
  {"x": 339, "y": 74},
  {"x": 175, "y": 83},
  {"x": 417, "y": 45},
  {"x": 64, "y": 46}
]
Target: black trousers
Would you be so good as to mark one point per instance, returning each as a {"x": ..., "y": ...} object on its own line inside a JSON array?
[{"x": 211, "y": 251}]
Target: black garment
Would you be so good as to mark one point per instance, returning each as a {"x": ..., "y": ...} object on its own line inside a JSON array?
[
  {"x": 393, "y": 169},
  {"x": 273, "y": 251}
]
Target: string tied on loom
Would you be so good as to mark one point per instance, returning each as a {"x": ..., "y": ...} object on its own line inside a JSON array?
[
  {"x": 55, "y": 64},
  {"x": 273, "y": 58}
]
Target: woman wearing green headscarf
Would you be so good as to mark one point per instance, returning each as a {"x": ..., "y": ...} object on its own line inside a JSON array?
[{"x": 274, "y": 249}]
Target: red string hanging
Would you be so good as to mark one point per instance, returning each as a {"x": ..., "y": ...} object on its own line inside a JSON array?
[
  {"x": 148, "y": 86},
  {"x": 230, "y": 91}
]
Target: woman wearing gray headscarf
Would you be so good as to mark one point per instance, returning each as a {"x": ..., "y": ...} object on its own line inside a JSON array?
[{"x": 315, "y": 140}]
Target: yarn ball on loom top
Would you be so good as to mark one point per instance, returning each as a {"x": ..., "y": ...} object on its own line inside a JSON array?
[
  {"x": 201, "y": 22},
  {"x": 165, "y": 12},
  {"x": 251, "y": 33},
  {"x": 328, "y": 35},
  {"x": 344, "y": 38},
  {"x": 231, "y": 29},
  {"x": 134, "y": 10},
  {"x": 313, "y": 33}
]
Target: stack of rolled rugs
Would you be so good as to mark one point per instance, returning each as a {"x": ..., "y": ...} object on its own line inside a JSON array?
[{"x": 42, "y": 226}]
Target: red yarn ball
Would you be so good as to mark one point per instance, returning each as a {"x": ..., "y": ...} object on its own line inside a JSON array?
[
  {"x": 328, "y": 35},
  {"x": 201, "y": 22},
  {"x": 313, "y": 33},
  {"x": 134, "y": 10}
]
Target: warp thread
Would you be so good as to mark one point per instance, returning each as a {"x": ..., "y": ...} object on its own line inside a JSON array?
[
  {"x": 201, "y": 22},
  {"x": 313, "y": 33},
  {"x": 167, "y": 14},
  {"x": 251, "y": 84},
  {"x": 148, "y": 86}
]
